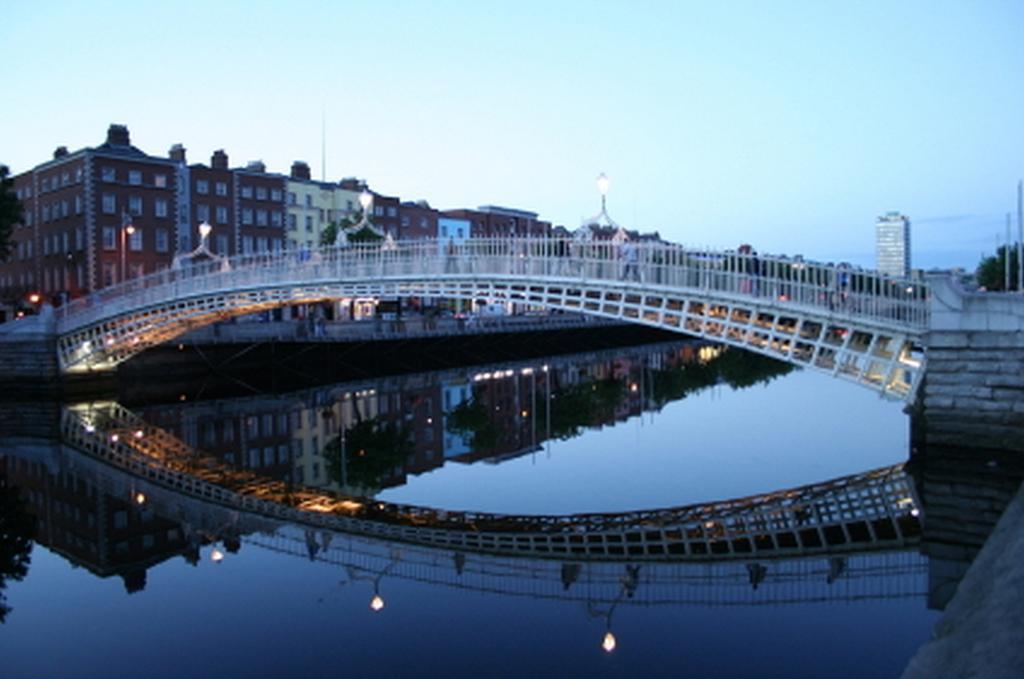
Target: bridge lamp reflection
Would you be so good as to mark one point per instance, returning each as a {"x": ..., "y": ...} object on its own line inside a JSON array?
[
  {"x": 216, "y": 555},
  {"x": 609, "y": 642},
  {"x": 376, "y": 603}
]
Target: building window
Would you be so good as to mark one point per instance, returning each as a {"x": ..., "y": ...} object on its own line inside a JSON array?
[
  {"x": 108, "y": 174},
  {"x": 134, "y": 177},
  {"x": 109, "y": 238},
  {"x": 109, "y": 204},
  {"x": 162, "y": 240},
  {"x": 309, "y": 223},
  {"x": 222, "y": 214},
  {"x": 261, "y": 244},
  {"x": 261, "y": 193},
  {"x": 221, "y": 188},
  {"x": 275, "y": 195},
  {"x": 378, "y": 211},
  {"x": 135, "y": 240},
  {"x": 247, "y": 215},
  {"x": 135, "y": 206},
  {"x": 78, "y": 205},
  {"x": 275, "y": 218},
  {"x": 291, "y": 198},
  {"x": 261, "y": 217},
  {"x": 136, "y": 270},
  {"x": 321, "y": 216},
  {"x": 79, "y": 238},
  {"x": 246, "y": 191},
  {"x": 46, "y": 213},
  {"x": 392, "y": 211},
  {"x": 202, "y": 187},
  {"x": 405, "y": 220},
  {"x": 160, "y": 181},
  {"x": 160, "y": 207},
  {"x": 246, "y": 245},
  {"x": 202, "y": 212},
  {"x": 222, "y": 244},
  {"x": 293, "y": 222},
  {"x": 78, "y": 175},
  {"x": 309, "y": 200}
]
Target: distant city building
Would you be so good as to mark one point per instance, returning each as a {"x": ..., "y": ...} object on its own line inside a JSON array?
[
  {"x": 892, "y": 244},
  {"x": 491, "y": 221},
  {"x": 452, "y": 230},
  {"x": 417, "y": 221}
]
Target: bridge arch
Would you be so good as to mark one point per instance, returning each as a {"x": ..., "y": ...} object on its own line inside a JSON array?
[{"x": 857, "y": 325}]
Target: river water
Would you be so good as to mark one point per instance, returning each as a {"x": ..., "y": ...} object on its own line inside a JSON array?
[{"x": 115, "y": 584}]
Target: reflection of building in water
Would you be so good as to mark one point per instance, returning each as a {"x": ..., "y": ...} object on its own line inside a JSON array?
[
  {"x": 107, "y": 534},
  {"x": 468, "y": 415}
]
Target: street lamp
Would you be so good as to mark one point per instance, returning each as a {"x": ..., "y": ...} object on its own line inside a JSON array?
[
  {"x": 204, "y": 233},
  {"x": 126, "y": 231}
]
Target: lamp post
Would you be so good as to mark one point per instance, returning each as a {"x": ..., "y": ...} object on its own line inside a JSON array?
[
  {"x": 126, "y": 230},
  {"x": 204, "y": 233}
]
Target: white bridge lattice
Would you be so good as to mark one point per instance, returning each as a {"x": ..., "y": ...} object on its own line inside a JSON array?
[{"x": 854, "y": 324}]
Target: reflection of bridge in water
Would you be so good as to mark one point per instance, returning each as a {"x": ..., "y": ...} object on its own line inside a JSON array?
[
  {"x": 870, "y": 511},
  {"x": 369, "y": 559}
]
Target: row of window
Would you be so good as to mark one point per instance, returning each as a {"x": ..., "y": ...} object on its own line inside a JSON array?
[
  {"x": 260, "y": 193},
  {"x": 57, "y": 243},
  {"x": 57, "y": 210},
  {"x": 134, "y": 177},
  {"x": 161, "y": 239},
  {"x": 293, "y": 222},
  {"x": 108, "y": 204},
  {"x": 52, "y": 183}
]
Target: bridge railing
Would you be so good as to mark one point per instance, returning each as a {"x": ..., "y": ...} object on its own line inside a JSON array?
[{"x": 645, "y": 266}]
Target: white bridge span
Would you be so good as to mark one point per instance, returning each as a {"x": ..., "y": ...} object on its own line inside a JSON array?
[{"x": 854, "y": 324}]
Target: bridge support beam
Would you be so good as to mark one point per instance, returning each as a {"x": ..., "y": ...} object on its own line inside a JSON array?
[{"x": 974, "y": 388}]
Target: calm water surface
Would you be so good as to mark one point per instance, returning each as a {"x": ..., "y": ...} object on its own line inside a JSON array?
[{"x": 113, "y": 589}]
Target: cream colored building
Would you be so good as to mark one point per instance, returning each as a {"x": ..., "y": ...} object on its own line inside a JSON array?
[{"x": 311, "y": 205}]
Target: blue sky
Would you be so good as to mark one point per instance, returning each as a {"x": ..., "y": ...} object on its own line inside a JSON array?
[{"x": 788, "y": 125}]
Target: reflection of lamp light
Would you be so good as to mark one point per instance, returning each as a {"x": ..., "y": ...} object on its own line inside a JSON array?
[
  {"x": 377, "y": 602},
  {"x": 216, "y": 555},
  {"x": 609, "y": 642}
]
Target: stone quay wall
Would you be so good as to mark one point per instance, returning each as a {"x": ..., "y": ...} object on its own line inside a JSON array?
[{"x": 973, "y": 393}]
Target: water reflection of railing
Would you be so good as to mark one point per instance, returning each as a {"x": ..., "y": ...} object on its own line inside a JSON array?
[{"x": 872, "y": 510}]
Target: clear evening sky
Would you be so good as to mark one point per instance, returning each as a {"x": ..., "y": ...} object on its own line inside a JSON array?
[{"x": 788, "y": 125}]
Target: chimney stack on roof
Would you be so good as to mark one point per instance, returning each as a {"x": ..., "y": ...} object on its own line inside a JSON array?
[
  {"x": 300, "y": 170},
  {"x": 256, "y": 166},
  {"x": 117, "y": 135},
  {"x": 219, "y": 160},
  {"x": 60, "y": 152},
  {"x": 177, "y": 153}
]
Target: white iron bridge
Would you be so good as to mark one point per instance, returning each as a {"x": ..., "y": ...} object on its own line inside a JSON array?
[{"x": 859, "y": 325}]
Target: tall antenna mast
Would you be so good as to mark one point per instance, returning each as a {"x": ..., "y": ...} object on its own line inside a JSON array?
[
  {"x": 1020, "y": 236},
  {"x": 1006, "y": 257},
  {"x": 323, "y": 145}
]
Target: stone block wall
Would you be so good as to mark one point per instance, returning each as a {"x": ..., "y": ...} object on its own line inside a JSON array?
[{"x": 973, "y": 391}]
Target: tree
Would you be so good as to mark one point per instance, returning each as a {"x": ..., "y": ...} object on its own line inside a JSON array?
[
  {"x": 991, "y": 271},
  {"x": 364, "y": 235},
  {"x": 11, "y": 212},
  {"x": 372, "y": 451},
  {"x": 17, "y": 528}
]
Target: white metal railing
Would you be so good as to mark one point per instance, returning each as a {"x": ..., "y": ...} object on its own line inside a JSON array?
[{"x": 645, "y": 266}]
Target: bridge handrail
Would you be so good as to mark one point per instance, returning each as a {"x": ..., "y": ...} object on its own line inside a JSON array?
[{"x": 647, "y": 266}]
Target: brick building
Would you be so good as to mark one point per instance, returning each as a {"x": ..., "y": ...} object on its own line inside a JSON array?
[
  {"x": 491, "y": 221},
  {"x": 77, "y": 207}
]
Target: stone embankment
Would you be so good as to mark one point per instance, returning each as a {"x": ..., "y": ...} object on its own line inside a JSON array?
[{"x": 974, "y": 385}]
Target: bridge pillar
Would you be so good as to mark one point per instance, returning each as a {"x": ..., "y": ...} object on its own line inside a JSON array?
[
  {"x": 28, "y": 353},
  {"x": 973, "y": 391}
]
